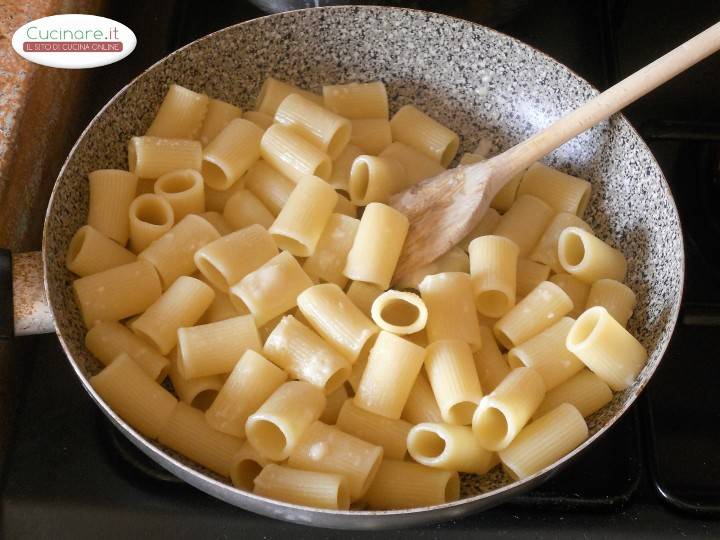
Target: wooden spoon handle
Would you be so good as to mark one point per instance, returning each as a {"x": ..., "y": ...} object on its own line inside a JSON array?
[{"x": 609, "y": 102}]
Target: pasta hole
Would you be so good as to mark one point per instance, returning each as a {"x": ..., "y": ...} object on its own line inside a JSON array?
[
  {"x": 491, "y": 426},
  {"x": 76, "y": 244},
  {"x": 583, "y": 327},
  {"x": 238, "y": 303},
  {"x": 462, "y": 413},
  {"x": 204, "y": 399},
  {"x": 572, "y": 248},
  {"x": 452, "y": 488},
  {"x": 337, "y": 378},
  {"x": 214, "y": 176},
  {"x": 400, "y": 313},
  {"x": 244, "y": 473},
  {"x": 450, "y": 152},
  {"x": 151, "y": 211},
  {"x": 514, "y": 360},
  {"x": 429, "y": 444},
  {"x": 323, "y": 169},
  {"x": 285, "y": 243},
  {"x": 213, "y": 275},
  {"x": 270, "y": 436},
  {"x": 339, "y": 140},
  {"x": 503, "y": 338},
  {"x": 492, "y": 303},
  {"x": 176, "y": 182},
  {"x": 359, "y": 181}
]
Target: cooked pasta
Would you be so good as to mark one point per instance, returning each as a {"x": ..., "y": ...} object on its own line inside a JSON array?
[
  {"x": 588, "y": 258},
  {"x": 399, "y": 312},
  {"x": 374, "y": 179},
  {"x": 244, "y": 209},
  {"x": 215, "y": 200},
  {"x": 421, "y": 405},
  {"x": 117, "y": 293},
  {"x": 505, "y": 198},
  {"x": 273, "y": 92},
  {"x": 377, "y": 245},
  {"x": 338, "y": 321},
  {"x": 301, "y": 221},
  {"x": 614, "y": 296},
  {"x": 310, "y": 488},
  {"x": 335, "y": 401},
  {"x": 345, "y": 207},
  {"x": 245, "y": 467},
  {"x": 227, "y": 260},
  {"x": 184, "y": 190},
  {"x": 547, "y": 354},
  {"x": 342, "y": 165},
  {"x": 134, "y": 396},
  {"x": 277, "y": 426},
  {"x": 363, "y": 295},
  {"x": 305, "y": 355},
  {"x": 198, "y": 392},
  {"x": 493, "y": 270},
  {"x": 546, "y": 250},
  {"x": 180, "y": 115},
  {"x": 325, "y": 448},
  {"x": 485, "y": 226},
  {"x": 371, "y": 135},
  {"x": 231, "y": 153},
  {"x": 172, "y": 254},
  {"x": 544, "y": 441},
  {"x": 182, "y": 304},
  {"x": 272, "y": 289},
  {"x": 455, "y": 260},
  {"x": 539, "y": 310},
  {"x": 562, "y": 192},
  {"x": 151, "y": 157},
  {"x": 451, "y": 310},
  {"x": 325, "y": 129},
  {"x": 261, "y": 120},
  {"x": 90, "y": 252},
  {"x": 490, "y": 365},
  {"x": 216, "y": 220},
  {"x": 449, "y": 447},
  {"x": 530, "y": 274},
  {"x": 292, "y": 155},
  {"x": 151, "y": 216},
  {"x": 524, "y": 223},
  {"x": 219, "y": 114},
  {"x": 585, "y": 391},
  {"x": 417, "y": 165},
  {"x": 607, "y": 348},
  {"x": 403, "y": 484},
  {"x": 451, "y": 371},
  {"x": 391, "y": 434},
  {"x": 251, "y": 382},
  {"x": 328, "y": 260},
  {"x": 108, "y": 340},
  {"x": 269, "y": 186},
  {"x": 215, "y": 348},
  {"x": 111, "y": 192},
  {"x": 415, "y": 128},
  {"x": 357, "y": 100},
  {"x": 575, "y": 289},
  {"x": 502, "y": 414}
]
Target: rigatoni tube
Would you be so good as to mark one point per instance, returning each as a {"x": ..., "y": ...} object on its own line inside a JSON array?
[
  {"x": 575, "y": 289},
  {"x": 219, "y": 114},
  {"x": 449, "y": 447},
  {"x": 198, "y": 392},
  {"x": 151, "y": 216},
  {"x": 503, "y": 413},
  {"x": 134, "y": 396},
  {"x": 246, "y": 465},
  {"x": 607, "y": 348},
  {"x": 111, "y": 192},
  {"x": 490, "y": 365},
  {"x": 371, "y": 135},
  {"x": 181, "y": 305},
  {"x": 421, "y": 405},
  {"x": 415, "y": 128},
  {"x": 403, "y": 484},
  {"x": 309, "y": 488},
  {"x": 272, "y": 289},
  {"x": 524, "y": 223},
  {"x": 180, "y": 115},
  {"x": 90, "y": 252},
  {"x": 117, "y": 293},
  {"x": 301, "y": 221},
  {"x": 399, "y": 312},
  {"x": 215, "y": 348},
  {"x": 455, "y": 260},
  {"x": 451, "y": 309},
  {"x": 562, "y": 192},
  {"x": 544, "y": 441},
  {"x": 276, "y": 427},
  {"x": 269, "y": 186},
  {"x": 451, "y": 371},
  {"x": 151, "y": 157},
  {"x": 331, "y": 313},
  {"x": 293, "y": 155},
  {"x": 585, "y": 391},
  {"x": 392, "y": 367},
  {"x": 417, "y": 165},
  {"x": 389, "y": 433},
  {"x": 493, "y": 270},
  {"x": 616, "y": 297},
  {"x": 546, "y": 250},
  {"x": 374, "y": 179},
  {"x": 377, "y": 245},
  {"x": 251, "y": 382},
  {"x": 539, "y": 310},
  {"x": 273, "y": 92},
  {"x": 588, "y": 258},
  {"x": 244, "y": 209},
  {"x": 184, "y": 190},
  {"x": 328, "y": 260},
  {"x": 325, "y": 448},
  {"x": 231, "y": 153},
  {"x": 305, "y": 355},
  {"x": 357, "y": 100}
]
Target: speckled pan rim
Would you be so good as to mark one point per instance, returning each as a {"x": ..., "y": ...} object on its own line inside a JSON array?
[{"x": 502, "y": 493}]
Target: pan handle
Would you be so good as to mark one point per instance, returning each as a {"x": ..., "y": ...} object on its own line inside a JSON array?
[{"x": 24, "y": 309}]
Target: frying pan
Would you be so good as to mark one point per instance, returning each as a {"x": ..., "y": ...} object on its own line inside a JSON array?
[{"x": 479, "y": 82}]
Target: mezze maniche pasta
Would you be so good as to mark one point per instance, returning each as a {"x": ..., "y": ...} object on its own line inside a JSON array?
[{"x": 304, "y": 278}]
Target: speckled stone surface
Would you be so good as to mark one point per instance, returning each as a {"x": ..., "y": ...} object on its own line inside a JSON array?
[{"x": 482, "y": 84}]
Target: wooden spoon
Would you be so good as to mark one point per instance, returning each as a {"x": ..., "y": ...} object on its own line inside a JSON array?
[{"x": 443, "y": 209}]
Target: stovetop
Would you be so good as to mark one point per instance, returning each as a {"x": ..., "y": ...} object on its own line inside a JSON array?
[{"x": 69, "y": 474}]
